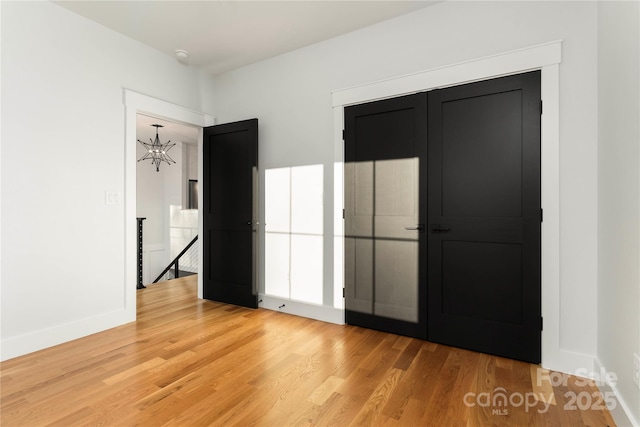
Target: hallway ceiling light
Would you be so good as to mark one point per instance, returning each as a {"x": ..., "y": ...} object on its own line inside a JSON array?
[{"x": 157, "y": 151}]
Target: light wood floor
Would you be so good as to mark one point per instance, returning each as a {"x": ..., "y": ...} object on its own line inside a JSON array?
[{"x": 189, "y": 362}]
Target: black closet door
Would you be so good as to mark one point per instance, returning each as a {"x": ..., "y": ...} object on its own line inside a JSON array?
[
  {"x": 484, "y": 216},
  {"x": 385, "y": 204}
]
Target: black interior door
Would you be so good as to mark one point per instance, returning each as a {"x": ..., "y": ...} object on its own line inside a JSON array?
[
  {"x": 385, "y": 246},
  {"x": 484, "y": 216},
  {"x": 230, "y": 161}
]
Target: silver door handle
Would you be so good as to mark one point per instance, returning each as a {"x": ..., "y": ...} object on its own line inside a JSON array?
[{"x": 419, "y": 227}]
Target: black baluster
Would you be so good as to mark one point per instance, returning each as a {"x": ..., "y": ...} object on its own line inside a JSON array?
[{"x": 140, "y": 285}]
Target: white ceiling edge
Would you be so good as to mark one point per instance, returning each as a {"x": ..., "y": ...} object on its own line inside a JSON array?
[
  {"x": 173, "y": 131},
  {"x": 221, "y": 35}
]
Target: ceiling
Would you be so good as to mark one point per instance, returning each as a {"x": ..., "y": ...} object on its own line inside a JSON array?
[
  {"x": 221, "y": 35},
  {"x": 175, "y": 132}
]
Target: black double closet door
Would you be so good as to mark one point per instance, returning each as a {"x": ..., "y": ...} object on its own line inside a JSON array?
[{"x": 443, "y": 218}]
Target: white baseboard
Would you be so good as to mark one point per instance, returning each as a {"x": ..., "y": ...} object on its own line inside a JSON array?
[
  {"x": 28, "y": 343},
  {"x": 583, "y": 365},
  {"x": 565, "y": 361},
  {"x": 312, "y": 311},
  {"x": 621, "y": 414}
]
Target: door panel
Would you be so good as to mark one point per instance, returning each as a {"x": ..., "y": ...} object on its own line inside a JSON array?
[
  {"x": 359, "y": 286},
  {"x": 385, "y": 166},
  {"x": 230, "y": 168},
  {"x": 484, "y": 216},
  {"x": 396, "y": 250},
  {"x": 479, "y": 139},
  {"x": 396, "y": 269},
  {"x": 491, "y": 269}
]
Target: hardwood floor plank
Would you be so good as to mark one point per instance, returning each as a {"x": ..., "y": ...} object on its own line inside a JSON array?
[
  {"x": 412, "y": 382},
  {"x": 429, "y": 366},
  {"x": 541, "y": 385},
  {"x": 372, "y": 410},
  {"x": 189, "y": 362},
  {"x": 408, "y": 355},
  {"x": 450, "y": 397},
  {"x": 327, "y": 389},
  {"x": 156, "y": 361}
]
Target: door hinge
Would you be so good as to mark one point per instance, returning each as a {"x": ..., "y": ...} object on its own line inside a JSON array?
[
  {"x": 541, "y": 107},
  {"x": 343, "y": 135},
  {"x": 343, "y": 214},
  {"x": 342, "y": 292},
  {"x": 541, "y": 323},
  {"x": 541, "y": 214}
]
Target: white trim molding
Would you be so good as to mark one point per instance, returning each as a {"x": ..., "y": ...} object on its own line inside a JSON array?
[
  {"x": 621, "y": 413},
  {"x": 502, "y": 64},
  {"x": 65, "y": 332},
  {"x": 323, "y": 313},
  {"x": 547, "y": 58},
  {"x": 135, "y": 103}
]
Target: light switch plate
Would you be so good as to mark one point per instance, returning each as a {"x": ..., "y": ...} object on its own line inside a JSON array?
[{"x": 111, "y": 198}]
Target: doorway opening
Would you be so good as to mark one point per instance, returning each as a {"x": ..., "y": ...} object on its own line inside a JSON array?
[
  {"x": 165, "y": 199},
  {"x": 136, "y": 103}
]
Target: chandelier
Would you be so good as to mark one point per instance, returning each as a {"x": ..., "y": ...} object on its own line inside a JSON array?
[{"x": 156, "y": 151}]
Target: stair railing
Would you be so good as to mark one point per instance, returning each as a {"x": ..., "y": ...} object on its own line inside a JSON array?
[{"x": 176, "y": 262}]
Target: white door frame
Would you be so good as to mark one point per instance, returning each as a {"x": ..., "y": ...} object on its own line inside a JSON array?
[
  {"x": 135, "y": 103},
  {"x": 545, "y": 57}
]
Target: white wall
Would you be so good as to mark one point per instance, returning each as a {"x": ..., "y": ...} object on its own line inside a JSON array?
[
  {"x": 63, "y": 147},
  {"x": 150, "y": 204},
  {"x": 291, "y": 96},
  {"x": 150, "y": 189},
  {"x": 619, "y": 195},
  {"x": 182, "y": 224}
]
